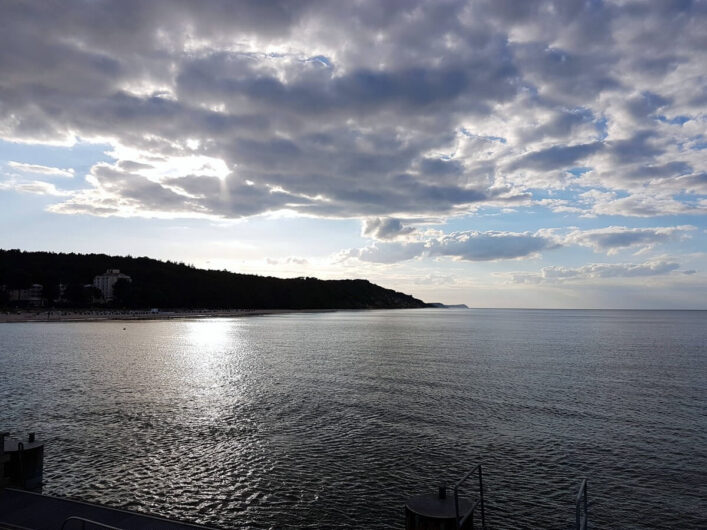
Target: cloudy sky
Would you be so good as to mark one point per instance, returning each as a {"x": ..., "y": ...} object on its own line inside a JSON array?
[{"x": 497, "y": 153}]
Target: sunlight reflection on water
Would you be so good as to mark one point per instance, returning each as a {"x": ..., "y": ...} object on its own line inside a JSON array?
[{"x": 334, "y": 419}]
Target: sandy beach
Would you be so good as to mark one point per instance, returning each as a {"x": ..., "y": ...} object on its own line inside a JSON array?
[{"x": 97, "y": 315}]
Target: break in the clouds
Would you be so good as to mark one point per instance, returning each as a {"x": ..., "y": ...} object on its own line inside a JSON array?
[{"x": 365, "y": 109}]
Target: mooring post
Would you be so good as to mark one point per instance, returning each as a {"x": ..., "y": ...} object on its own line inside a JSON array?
[{"x": 3, "y": 458}]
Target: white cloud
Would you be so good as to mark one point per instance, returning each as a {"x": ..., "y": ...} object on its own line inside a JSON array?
[
  {"x": 385, "y": 252},
  {"x": 290, "y": 260},
  {"x": 465, "y": 246},
  {"x": 614, "y": 238},
  {"x": 646, "y": 205},
  {"x": 41, "y": 170},
  {"x": 35, "y": 187},
  {"x": 492, "y": 245},
  {"x": 435, "y": 279},
  {"x": 596, "y": 271}
]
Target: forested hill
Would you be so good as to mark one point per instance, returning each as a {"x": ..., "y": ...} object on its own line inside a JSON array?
[{"x": 176, "y": 285}]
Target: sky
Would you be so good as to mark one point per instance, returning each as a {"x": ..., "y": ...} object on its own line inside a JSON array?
[{"x": 494, "y": 153}]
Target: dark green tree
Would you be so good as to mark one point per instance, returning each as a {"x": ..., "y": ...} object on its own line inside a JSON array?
[
  {"x": 78, "y": 295},
  {"x": 122, "y": 293},
  {"x": 177, "y": 285}
]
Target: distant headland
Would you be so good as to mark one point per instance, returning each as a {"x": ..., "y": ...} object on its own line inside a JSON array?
[{"x": 40, "y": 280}]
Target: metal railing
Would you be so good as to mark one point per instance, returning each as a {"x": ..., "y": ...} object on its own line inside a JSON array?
[
  {"x": 462, "y": 518},
  {"x": 21, "y": 464},
  {"x": 12, "y": 526},
  {"x": 581, "y": 507},
  {"x": 83, "y": 522}
]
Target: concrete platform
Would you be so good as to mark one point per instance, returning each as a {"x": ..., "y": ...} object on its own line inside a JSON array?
[{"x": 24, "y": 510}]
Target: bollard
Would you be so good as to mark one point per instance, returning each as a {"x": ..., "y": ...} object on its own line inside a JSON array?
[{"x": 433, "y": 512}]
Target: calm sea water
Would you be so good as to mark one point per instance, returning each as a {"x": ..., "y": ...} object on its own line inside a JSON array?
[{"x": 335, "y": 419}]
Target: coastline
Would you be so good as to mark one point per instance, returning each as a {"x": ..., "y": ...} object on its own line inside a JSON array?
[{"x": 102, "y": 316}]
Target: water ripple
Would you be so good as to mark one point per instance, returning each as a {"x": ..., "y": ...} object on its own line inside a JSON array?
[{"x": 333, "y": 420}]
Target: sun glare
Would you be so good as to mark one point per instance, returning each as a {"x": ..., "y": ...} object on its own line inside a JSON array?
[{"x": 210, "y": 335}]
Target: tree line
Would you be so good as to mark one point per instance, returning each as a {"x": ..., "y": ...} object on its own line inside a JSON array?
[{"x": 178, "y": 285}]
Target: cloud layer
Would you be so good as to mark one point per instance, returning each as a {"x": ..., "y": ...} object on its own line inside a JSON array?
[
  {"x": 615, "y": 238},
  {"x": 367, "y": 109},
  {"x": 464, "y": 246},
  {"x": 598, "y": 271},
  {"x": 496, "y": 246},
  {"x": 38, "y": 169}
]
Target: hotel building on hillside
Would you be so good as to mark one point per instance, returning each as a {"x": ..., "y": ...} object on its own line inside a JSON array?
[
  {"x": 32, "y": 296},
  {"x": 106, "y": 281}
]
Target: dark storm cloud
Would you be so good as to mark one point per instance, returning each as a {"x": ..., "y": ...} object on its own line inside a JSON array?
[{"x": 366, "y": 109}]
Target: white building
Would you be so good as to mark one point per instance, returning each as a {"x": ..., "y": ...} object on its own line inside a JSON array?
[
  {"x": 105, "y": 282},
  {"x": 31, "y": 296}
]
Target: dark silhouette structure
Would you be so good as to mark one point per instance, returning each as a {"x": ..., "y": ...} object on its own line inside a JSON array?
[{"x": 177, "y": 285}]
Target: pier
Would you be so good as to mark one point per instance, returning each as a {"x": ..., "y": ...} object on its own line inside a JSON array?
[{"x": 26, "y": 510}]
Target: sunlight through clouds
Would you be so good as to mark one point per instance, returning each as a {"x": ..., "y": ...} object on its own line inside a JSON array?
[{"x": 507, "y": 124}]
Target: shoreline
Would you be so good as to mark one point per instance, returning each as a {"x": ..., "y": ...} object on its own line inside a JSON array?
[{"x": 106, "y": 316}]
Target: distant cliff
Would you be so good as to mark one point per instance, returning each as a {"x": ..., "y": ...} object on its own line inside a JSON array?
[{"x": 65, "y": 280}]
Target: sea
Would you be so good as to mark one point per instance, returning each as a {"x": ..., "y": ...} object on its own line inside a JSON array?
[{"x": 336, "y": 419}]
